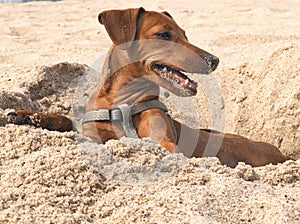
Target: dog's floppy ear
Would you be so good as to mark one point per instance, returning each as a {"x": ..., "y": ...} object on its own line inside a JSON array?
[
  {"x": 167, "y": 14},
  {"x": 121, "y": 25}
]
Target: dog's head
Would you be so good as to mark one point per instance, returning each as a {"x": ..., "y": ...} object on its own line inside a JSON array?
[{"x": 160, "y": 47}]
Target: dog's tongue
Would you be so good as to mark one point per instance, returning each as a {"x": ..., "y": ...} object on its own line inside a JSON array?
[
  {"x": 176, "y": 76},
  {"x": 184, "y": 80}
]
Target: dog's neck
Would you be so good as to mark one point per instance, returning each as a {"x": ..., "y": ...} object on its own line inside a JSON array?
[{"x": 122, "y": 84}]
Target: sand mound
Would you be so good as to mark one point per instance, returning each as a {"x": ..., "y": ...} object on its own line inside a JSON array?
[
  {"x": 273, "y": 78},
  {"x": 51, "y": 177},
  {"x": 65, "y": 178},
  {"x": 44, "y": 171}
]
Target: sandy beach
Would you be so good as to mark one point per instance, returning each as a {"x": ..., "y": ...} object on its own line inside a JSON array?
[{"x": 50, "y": 56}]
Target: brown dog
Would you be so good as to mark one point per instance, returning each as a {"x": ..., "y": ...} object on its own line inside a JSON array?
[{"x": 150, "y": 50}]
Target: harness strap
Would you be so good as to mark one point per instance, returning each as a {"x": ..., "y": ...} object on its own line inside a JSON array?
[
  {"x": 102, "y": 115},
  {"x": 124, "y": 114},
  {"x": 146, "y": 105},
  {"x": 127, "y": 121}
]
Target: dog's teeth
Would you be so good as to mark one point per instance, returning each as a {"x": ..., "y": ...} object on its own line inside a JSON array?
[
  {"x": 165, "y": 69},
  {"x": 186, "y": 82},
  {"x": 170, "y": 72}
]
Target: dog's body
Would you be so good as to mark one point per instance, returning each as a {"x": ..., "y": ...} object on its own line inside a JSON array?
[{"x": 135, "y": 68}]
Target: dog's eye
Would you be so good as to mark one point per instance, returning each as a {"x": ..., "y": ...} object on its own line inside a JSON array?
[{"x": 164, "y": 35}]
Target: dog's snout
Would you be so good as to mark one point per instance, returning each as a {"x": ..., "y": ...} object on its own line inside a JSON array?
[{"x": 212, "y": 61}]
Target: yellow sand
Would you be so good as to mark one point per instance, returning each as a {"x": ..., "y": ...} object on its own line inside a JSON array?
[{"x": 50, "y": 51}]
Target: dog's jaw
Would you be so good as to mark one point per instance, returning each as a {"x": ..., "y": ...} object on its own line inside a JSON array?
[{"x": 182, "y": 85}]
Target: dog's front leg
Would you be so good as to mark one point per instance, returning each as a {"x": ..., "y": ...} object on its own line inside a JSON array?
[{"x": 157, "y": 125}]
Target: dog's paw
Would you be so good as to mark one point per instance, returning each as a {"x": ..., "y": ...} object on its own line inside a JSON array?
[
  {"x": 51, "y": 122},
  {"x": 20, "y": 117}
]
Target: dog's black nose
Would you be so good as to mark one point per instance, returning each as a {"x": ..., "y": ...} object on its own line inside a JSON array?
[{"x": 212, "y": 61}]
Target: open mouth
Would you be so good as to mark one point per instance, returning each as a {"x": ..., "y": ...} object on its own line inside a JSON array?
[{"x": 177, "y": 78}]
